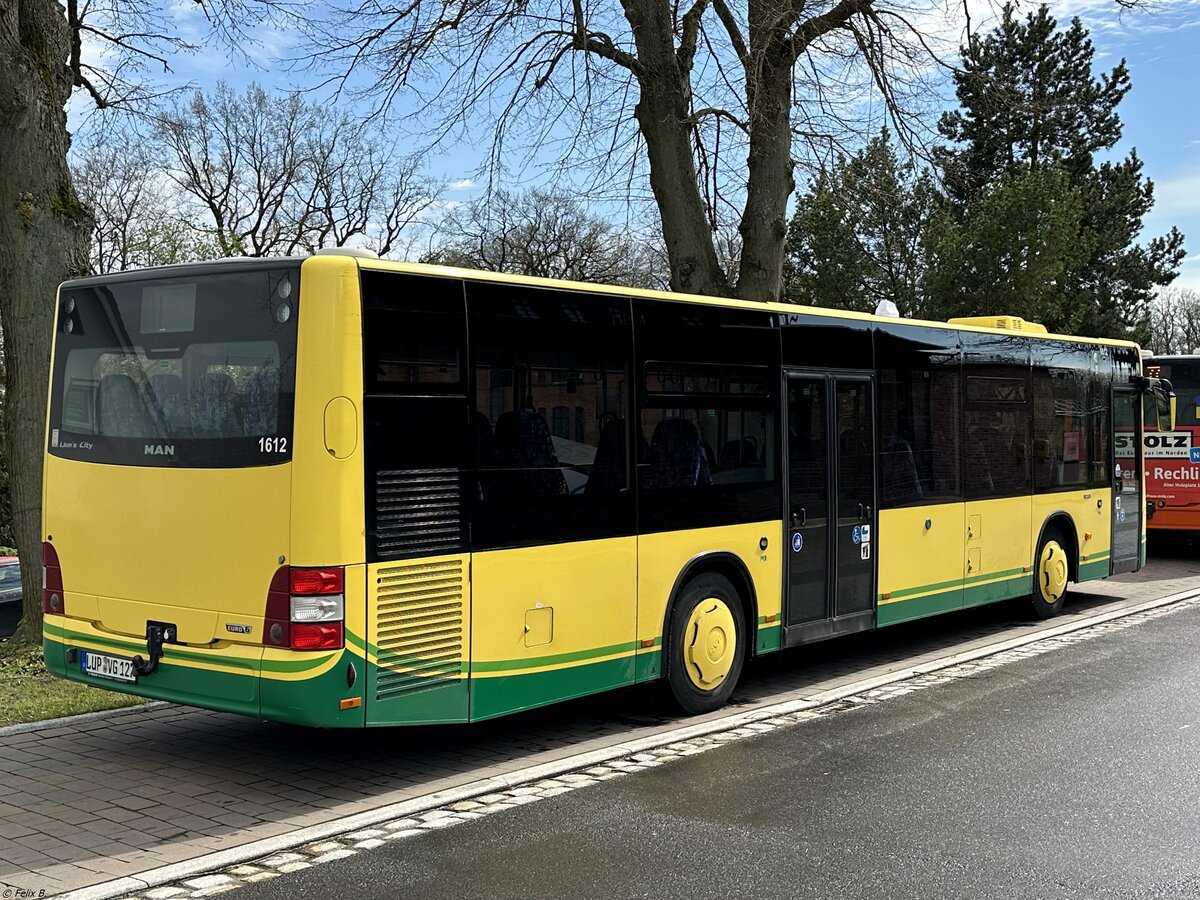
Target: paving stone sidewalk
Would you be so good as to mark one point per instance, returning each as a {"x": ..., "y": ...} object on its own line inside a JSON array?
[{"x": 114, "y": 795}]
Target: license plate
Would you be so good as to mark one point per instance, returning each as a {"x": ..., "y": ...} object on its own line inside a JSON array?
[{"x": 100, "y": 665}]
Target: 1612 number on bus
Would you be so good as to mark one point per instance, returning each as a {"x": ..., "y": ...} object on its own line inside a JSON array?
[{"x": 272, "y": 445}]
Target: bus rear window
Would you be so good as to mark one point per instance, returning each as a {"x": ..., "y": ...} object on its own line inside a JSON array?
[{"x": 195, "y": 372}]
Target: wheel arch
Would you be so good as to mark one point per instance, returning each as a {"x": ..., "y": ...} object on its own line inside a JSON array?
[
  {"x": 730, "y": 566},
  {"x": 1060, "y": 520}
]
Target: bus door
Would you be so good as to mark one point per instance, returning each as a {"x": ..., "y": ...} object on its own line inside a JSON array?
[
  {"x": 830, "y": 517},
  {"x": 1127, "y": 500}
]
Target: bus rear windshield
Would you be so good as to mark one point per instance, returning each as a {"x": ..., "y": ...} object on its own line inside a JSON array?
[{"x": 195, "y": 371}]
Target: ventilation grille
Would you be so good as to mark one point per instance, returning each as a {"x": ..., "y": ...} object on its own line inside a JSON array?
[
  {"x": 419, "y": 627},
  {"x": 418, "y": 512}
]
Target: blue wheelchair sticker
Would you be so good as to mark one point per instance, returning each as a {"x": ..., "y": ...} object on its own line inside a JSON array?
[
  {"x": 797, "y": 542},
  {"x": 858, "y": 534}
]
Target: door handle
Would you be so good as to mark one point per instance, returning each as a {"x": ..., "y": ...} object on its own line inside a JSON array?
[
  {"x": 868, "y": 515},
  {"x": 800, "y": 518},
  {"x": 860, "y": 511}
]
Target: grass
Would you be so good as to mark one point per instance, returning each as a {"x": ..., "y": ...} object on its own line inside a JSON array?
[{"x": 28, "y": 693}]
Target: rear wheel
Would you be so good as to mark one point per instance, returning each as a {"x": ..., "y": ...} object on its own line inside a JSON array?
[
  {"x": 1051, "y": 569},
  {"x": 706, "y": 644}
]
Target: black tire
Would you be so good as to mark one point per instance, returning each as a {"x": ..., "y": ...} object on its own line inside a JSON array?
[
  {"x": 707, "y": 608},
  {"x": 1051, "y": 570}
]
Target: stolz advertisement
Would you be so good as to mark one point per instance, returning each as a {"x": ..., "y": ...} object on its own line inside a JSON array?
[{"x": 1172, "y": 465}]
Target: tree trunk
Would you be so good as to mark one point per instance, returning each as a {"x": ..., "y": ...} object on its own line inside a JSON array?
[
  {"x": 662, "y": 114},
  {"x": 43, "y": 240},
  {"x": 769, "y": 163}
]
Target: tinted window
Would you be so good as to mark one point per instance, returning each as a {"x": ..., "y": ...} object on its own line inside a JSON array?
[
  {"x": 414, "y": 334},
  {"x": 1070, "y": 415},
  {"x": 919, "y": 398},
  {"x": 415, "y": 413},
  {"x": 996, "y": 414},
  {"x": 183, "y": 371},
  {"x": 550, "y": 412},
  {"x": 707, "y": 447}
]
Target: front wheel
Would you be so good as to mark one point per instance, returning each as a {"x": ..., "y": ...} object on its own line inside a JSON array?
[
  {"x": 1050, "y": 572},
  {"x": 706, "y": 644}
]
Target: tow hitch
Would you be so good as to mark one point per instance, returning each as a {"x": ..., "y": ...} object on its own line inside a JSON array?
[{"x": 157, "y": 634}]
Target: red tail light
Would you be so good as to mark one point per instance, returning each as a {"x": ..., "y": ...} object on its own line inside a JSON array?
[
  {"x": 317, "y": 637},
  {"x": 53, "y": 602},
  {"x": 316, "y": 581},
  {"x": 305, "y": 609}
]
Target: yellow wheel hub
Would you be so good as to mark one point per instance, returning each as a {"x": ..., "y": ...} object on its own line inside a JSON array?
[
  {"x": 1052, "y": 572},
  {"x": 709, "y": 643}
]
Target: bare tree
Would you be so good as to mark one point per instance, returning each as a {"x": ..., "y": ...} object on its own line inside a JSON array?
[
  {"x": 547, "y": 234},
  {"x": 140, "y": 217},
  {"x": 277, "y": 174},
  {"x": 717, "y": 97},
  {"x": 1175, "y": 321}
]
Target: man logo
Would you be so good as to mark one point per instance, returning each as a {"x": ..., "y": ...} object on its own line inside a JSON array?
[{"x": 160, "y": 449}]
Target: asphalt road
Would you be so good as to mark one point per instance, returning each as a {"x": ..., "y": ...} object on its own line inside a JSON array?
[{"x": 1073, "y": 774}]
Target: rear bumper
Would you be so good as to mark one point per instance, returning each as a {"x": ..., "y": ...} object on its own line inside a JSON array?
[{"x": 268, "y": 683}]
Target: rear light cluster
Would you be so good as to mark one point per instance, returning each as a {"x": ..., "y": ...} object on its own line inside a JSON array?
[
  {"x": 306, "y": 609},
  {"x": 53, "y": 602}
]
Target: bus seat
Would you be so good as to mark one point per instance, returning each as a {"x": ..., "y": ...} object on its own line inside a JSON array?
[
  {"x": 262, "y": 402},
  {"x": 608, "y": 468},
  {"x": 487, "y": 457},
  {"x": 214, "y": 406},
  {"x": 898, "y": 470},
  {"x": 733, "y": 455},
  {"x": 167, "y": 392},
  {"x": 523, "y": 442},
  {"x": 120, "y": 411},
  {"x": 676, "y": 456}
]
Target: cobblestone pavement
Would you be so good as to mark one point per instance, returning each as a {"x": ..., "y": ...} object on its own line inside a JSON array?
[{"x": 88, "y": 802}]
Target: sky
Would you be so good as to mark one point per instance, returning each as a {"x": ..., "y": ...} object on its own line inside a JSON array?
[{"x": 1161, "y": 114}]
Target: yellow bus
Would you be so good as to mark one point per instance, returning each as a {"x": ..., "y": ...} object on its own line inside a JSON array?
[{"x": 341, "y": 491}]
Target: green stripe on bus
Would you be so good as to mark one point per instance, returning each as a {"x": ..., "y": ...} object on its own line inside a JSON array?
[
  {"x": 175, "y": 653},
  {"x": 940, "y": 586},
  {"x": 491, "y": 697},
  {"x": 555, "y": 659}
]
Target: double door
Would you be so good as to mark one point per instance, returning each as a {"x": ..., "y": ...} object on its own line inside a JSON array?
[{"x": 831, "y": 506}]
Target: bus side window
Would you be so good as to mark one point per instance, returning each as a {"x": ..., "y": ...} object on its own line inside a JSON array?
[{"x": 551, "y": 386}]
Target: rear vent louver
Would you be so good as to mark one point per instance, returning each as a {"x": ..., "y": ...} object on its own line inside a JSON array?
[
  {"x": 419, "y": 626},
  {"x": 418, "y": 512}
]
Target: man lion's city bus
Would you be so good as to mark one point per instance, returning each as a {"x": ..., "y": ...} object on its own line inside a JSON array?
[
  {"x": 1173, "y": 457},
  {"x": 341, "y": 491}
]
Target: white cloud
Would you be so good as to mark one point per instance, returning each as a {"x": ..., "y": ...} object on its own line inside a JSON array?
[
  {"x": 464, "y": 185},
  {"x": 1177, "y": 196}
]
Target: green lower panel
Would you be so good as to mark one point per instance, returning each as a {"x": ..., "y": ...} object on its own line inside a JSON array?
[
  {"x": 440, "y": 705},
  {"x": 770, "y": 637},
  {"x": 502, "y": 694},
  {"x": 223, "y": 691},
  {"x": 1097, "y": 568},
  {"x": 317, "y": 701},
  {"x": 648, "y": 665},
  {"x": 919, "y": 607},
  {"x": 979, "y": 594},
  {"x": 307, "y": 701}
]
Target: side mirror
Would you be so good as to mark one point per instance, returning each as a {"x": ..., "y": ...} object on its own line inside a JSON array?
[{"x": 1164, "y": 404}]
